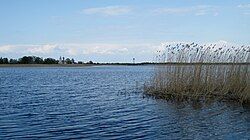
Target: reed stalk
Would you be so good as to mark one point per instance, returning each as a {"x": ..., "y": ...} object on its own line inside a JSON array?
[{"x": 195, "y": 72}]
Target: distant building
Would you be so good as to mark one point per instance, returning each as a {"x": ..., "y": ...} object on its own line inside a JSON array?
[
  {"x": 60, "y": 60},
  {"x": 133, "y": 60}
]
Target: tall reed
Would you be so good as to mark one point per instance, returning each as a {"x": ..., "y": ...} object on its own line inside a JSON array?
[{"x": 201, "y": 72}]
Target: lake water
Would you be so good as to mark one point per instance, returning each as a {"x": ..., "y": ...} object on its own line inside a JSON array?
[{"x": 105, "y": 102}]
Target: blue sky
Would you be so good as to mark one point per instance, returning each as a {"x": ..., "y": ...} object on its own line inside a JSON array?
[{"x": 117, "y": 30}]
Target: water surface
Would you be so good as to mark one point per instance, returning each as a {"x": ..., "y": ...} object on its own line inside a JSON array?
[{"x": 105, "y": 102}]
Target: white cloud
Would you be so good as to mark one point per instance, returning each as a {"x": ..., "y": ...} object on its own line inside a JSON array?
[
  {"x": 43, "y": 49},
  {"x": 5, "y": 48},
  {"x": 108, "y": 11},
  {"x": 219, "y": 43},
  {"x": 200, "y": 13},
  {"x": 216, "y": 14},
  {"x": 104, "y": 49},
  {"x": 97, "y": 49},
  {"x": 172, "y": 10},
  {"x": 72, "y": 51},
  {"x": 195, "y": 10},
  {"x": 222, "y": 42},
  {"x": 244, "y": 6},
  {"x": 97, "y": 52},
  {"x": 123, "y": 50}
]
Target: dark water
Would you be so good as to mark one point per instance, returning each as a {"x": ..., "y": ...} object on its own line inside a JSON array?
[{"x": 105, "y": 103}]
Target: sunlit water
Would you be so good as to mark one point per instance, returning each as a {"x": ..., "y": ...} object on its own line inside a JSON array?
[{"x": 105, "y": 102}]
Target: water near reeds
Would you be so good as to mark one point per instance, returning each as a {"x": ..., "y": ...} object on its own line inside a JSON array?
[{"x": 105, "y": 102}]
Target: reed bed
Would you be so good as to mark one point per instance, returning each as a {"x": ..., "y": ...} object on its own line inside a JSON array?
[{"x": 201, "y": 72}]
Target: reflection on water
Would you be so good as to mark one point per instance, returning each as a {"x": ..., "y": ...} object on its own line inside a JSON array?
[{"x": 106, "y": 102}]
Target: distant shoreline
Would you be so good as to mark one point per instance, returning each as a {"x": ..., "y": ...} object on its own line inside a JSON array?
[
  {"x": 113, "y": 64},
  {"x": 44, "y": 65}
]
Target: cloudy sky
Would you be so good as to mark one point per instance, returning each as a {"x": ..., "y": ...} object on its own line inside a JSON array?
[{"x": 117, "y": 30}]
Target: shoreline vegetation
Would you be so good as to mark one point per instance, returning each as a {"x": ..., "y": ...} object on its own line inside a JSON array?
[
  {"x": 118, "y": 64},
  {"x": 34, "y": 61},
  {"x": 201, "y": 73},
  {"x": 114, "y": 64}
]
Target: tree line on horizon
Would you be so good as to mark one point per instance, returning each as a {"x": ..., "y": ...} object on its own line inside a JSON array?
[{"x": 39, "y": 60}]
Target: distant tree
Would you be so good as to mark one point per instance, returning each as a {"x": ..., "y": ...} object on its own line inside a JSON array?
[
  {"x": 50, "y": 61},
  {"x": 80, "y": 62},
  {"x": 90, "y": 62},
  {"x": 26, "y": 60},
  {"x": 68, "y": 61},
  {"x": 13, "y": 61},
  {"x": 63, "y": 61},
  {"x": 38, "y": 60},
  {"x": 1, "y": 60},
  {"x": 5, "y": 61},
  {"x": 72, "y": 61}
]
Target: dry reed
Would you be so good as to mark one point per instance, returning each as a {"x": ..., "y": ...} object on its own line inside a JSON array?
[{"x": 195, "y": 72}]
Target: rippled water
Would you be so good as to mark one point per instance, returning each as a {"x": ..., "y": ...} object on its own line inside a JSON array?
[{"x": 105, "y": 102}]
